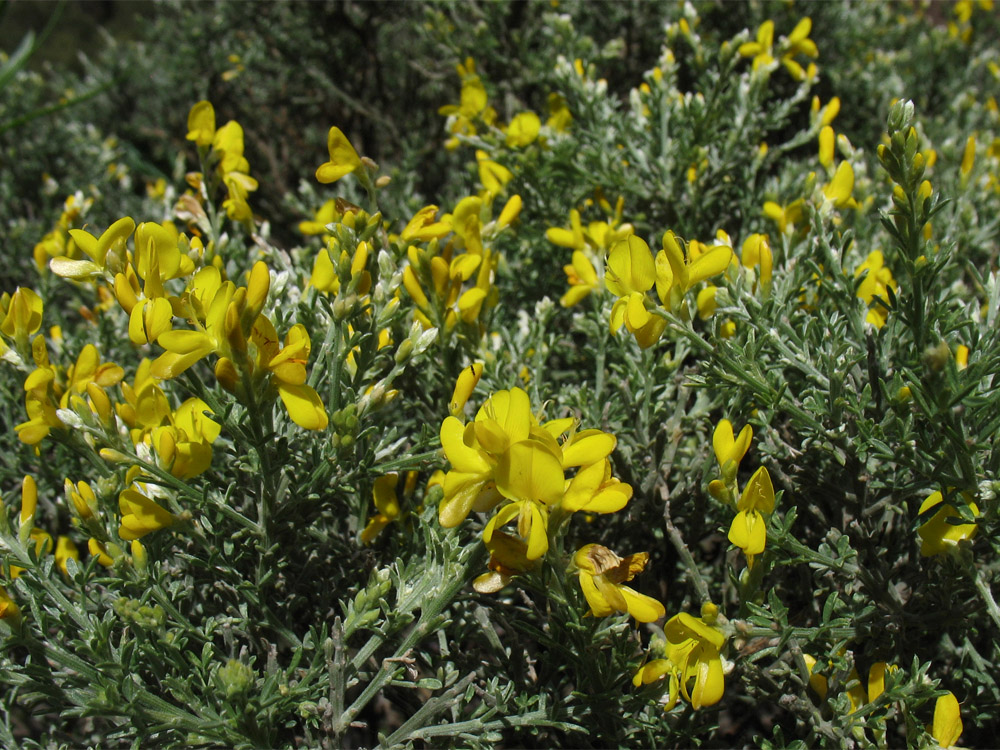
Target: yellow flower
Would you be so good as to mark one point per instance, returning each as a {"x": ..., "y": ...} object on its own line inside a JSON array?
[
  {"x": 631, "y": 272},
  {"x": 693, "y": 660},
  {"x": 786, "y": 217},
  {"x": 582, "y": 278},
  {"x": 65, "y": 549},
  {"x": 201, "y": 124},
  {"x": 826, "y": 140},
  {"x": 875, "y": 284},
  {"x": 532, "y": 525},
  {"x": 760, "y": 49},
  {"x": 838, "y": 190},
  {"x": 749, "y": 529},
  {"x": 325, "y": 214},
  {"x": 677, "y": 274},
  {"x": 29, "y": 501},
  {"x": 287, "y": 366},
  {"x": 529, "y": 474},
  {"x": 594, "y": 490},
  {"x": 424, "y": 226},
  {"x": 817, "y": 682},
  {"x": 184, "y": 447},
  {"x": 23, "y": 317},
  {"x": 523, "y": 129},
  {"x": 464, "y": 385},
  {"x": 799, "y": 43},
  {"x": 756, "y": 251},
  {"x": 493, "y": 175},
  {"x": 937, "y": 535},
  {"x": 474, "y": 451},
  {"x": 947, "y": 726},
  {"x": 560, "y": 117},
  {"x": 140, "y": 515},
  {"x": 387, "y": 505},
  {"x": 729, "y": 450},
  {"x": 228, "y": 146},
  {"x": 602, "y": 575},
  {"x": 82, "y": 498},
  {"x": 472, "y": 105},
  {"x": 112, "y": 240},
  {"x": 99, "y": 551},
  {"x": 505, "y": 454},
  {"x": 343, "y": 158}
]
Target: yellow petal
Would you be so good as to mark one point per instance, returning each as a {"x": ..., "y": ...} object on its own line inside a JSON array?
[
  {"x": 523, "y": 129},
  {"x": 563, "y": 237},
  {"x": 537, "y": 536},
  {"x": 511, "y": 410},
  {"x": 304, "y": 406},
  {"x": 709, "y": 683},
  {"x": 840, "y": 188},
  {"x": 599, "y": 607},
  {"x": 636, "y": 314},
  {"x": 588, "y": 447},
  {"x": 464, "y": 385},
  {"x": 826, "y": 139},
  {"x": 748, "y": 532},
  {"x": 343, "y": 158},
  {"x": 876, "y": 680},
  {"x": 643, "y": 608},
  {"x": 462, "y": 457},
  {"x": 630, "y": 267},
  {"x": 709, "y": 264},
  {"x": 529, "y": 471},
  {"x": 947, "y": 727},
  {"x": 201, "y": 123},
  {"x": 384, "y": 495},
  {"x": 758, "y": 494}
]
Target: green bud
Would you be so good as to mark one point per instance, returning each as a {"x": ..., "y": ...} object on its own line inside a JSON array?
[
  {"x": 900, "y": 116},
  {"x": 343, "y": 307},
  {"x": 404, "y": 351},
  {"x": 235, "y": 678}
]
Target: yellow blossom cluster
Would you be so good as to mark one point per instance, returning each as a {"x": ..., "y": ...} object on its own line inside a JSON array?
[
  {"x": 748, "y": 530},
  {"x": 474, "y": 116},
  {"x": 691, "y": 660},
  {"x": 534, "y": 475},
  {"x": 451, "y": 270},
  {"x": 223, "y": 149},
  {"x": 762, "y": 50},
  {"x": 632, "y": 271},
  {"x": 590, "y": 246},
  {"x": 874, "y": 287}
]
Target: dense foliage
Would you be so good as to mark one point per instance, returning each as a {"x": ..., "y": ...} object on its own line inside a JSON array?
[{"x": 523, "y": 374}]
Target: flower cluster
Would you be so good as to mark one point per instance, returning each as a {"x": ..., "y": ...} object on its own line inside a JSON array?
[
  {"x": 590, "y": 246},
  {"x": 534, "y": 474},
  {"x": 632, "y": 271},
  {"x": 797, "y": 43},
  {"x": 748, "y": 530},
  {"x": 451, "y": 271},
  {"x": 473, "y": 116},
  {"x": 691, "y": 660}
]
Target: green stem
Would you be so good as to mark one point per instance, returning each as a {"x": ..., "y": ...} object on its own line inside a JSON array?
[
  {"x": 428, "y": 622},
  {"x": 991, "y": 605},
  {"x": 685, "y": 554}
]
